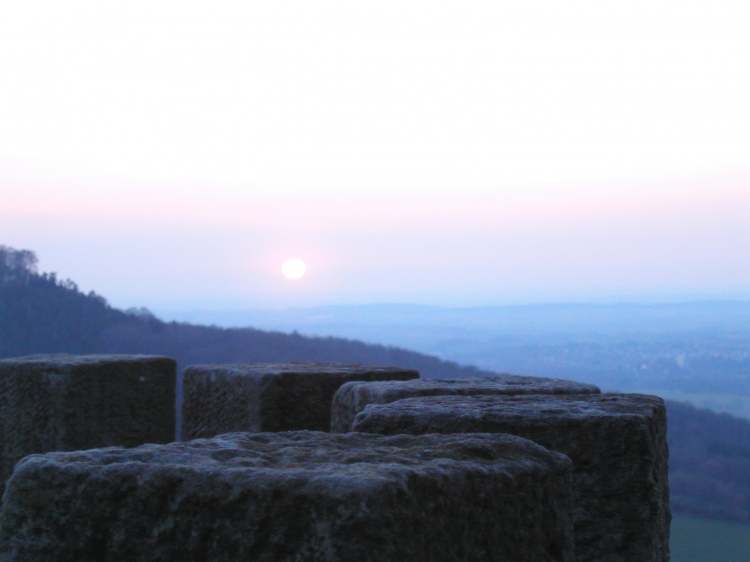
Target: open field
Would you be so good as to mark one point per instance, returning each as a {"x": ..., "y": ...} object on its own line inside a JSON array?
[{"x": 704, "y": 540}]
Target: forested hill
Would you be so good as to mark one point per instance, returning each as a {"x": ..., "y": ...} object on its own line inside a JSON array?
[
  {"x": 41, "y": 314},
  {"x": 709, "y": 463}
]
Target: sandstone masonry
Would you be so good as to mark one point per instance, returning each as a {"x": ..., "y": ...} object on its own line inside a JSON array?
[
  {"x": 268, "y": 397},
  {"x": 617, "y": 443},
  {"x": 352, "y": 397},
  {"x": 293, "y": 497},
  {"x": 65, "y": 403}
]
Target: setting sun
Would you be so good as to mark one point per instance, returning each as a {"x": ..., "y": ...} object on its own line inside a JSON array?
[{"x": 293, "y": 269}]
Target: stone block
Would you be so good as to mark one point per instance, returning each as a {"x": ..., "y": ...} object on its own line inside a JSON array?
[
  {"x": 66, "y": 402},
  {"x": 268, "y": 397},
  {"x": 352, "y": 397},
  {"x": 294, "y": 497},
  {"x": 617, "y": 443}
]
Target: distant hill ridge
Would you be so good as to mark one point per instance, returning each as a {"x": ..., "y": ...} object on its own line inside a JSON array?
[
  {"x": 40, "y": 313},
  {"x": 709, "y": 453}
]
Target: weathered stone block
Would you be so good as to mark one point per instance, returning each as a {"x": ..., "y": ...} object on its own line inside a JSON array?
[
  {"x": 617, "y": 443},
  {"x": 268, "y": 397},
  {"x": 294, "y": 497},
  {"x": 65, "y": 403},
  {"x": 352, "y": 397}
]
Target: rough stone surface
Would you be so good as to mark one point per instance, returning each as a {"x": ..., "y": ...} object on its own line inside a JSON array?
[
  {"x": 617, "y": 443},
  {"x": 352, "y": 397},
  {"x": 268, "y": 397},
  {"x": 294, "y": 497},
  {"x": 65, "y": 403}
]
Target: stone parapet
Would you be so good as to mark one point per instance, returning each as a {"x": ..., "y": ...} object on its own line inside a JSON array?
[
  {"x": 352, "y": 397},
  {"x": 292, "y": 497},
  {"x": 617, "y": 443},
  {"x": 66, "y": 403},
  {"x": 268, "y": 397}
]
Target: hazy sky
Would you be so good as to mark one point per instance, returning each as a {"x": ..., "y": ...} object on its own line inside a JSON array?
[{"x": 174, "y": 153}]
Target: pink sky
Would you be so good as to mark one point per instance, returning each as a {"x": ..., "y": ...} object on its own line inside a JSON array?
[
  {"x": 175, "y": 153},
  {"x": 163, "y": 250}
]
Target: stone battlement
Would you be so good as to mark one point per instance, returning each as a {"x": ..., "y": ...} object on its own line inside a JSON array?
[
  {"x": 498, "y": 469},
  {"x": 69, "y": 402}
]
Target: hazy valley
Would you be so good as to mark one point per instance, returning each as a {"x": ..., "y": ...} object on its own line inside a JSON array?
[{"x": 697, "y": 352}]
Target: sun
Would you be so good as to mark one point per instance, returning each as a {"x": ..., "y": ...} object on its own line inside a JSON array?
[{"x": 293, "y": 269}]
